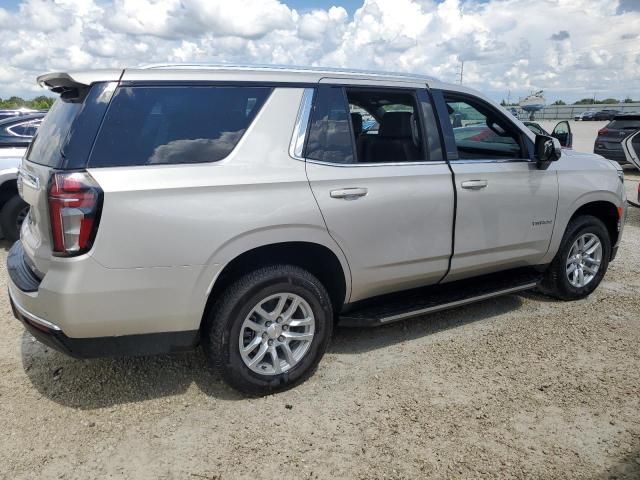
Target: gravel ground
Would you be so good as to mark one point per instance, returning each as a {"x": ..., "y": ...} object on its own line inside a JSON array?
[{"x": 515, "y": 387}]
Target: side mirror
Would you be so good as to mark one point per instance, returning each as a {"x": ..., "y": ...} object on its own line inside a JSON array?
[{"x": 547, "y": 149}]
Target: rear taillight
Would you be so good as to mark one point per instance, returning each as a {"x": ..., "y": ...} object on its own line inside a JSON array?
[
  {"x": 74, "y": 207},
  {"x": 603, "y": 131}
]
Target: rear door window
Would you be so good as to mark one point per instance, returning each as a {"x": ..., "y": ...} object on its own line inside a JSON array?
[
  {"x": 157, "y": 125},
  {"x": 329, "y": 131}
]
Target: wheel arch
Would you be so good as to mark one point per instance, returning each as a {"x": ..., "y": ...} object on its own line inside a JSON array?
[
  {"x": 318, "y": 259},
  {"x": 605, "y": 211},
  {"x": 8, "y": 189}
]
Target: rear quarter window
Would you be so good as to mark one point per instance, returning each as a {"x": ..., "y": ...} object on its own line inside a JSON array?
[{"x": 153, "y": 125}]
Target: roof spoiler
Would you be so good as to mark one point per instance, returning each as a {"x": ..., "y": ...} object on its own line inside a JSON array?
[{"x": 60, "y": 82}]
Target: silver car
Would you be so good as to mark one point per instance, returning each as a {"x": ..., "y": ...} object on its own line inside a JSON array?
[{"x": 247, "y": 210}]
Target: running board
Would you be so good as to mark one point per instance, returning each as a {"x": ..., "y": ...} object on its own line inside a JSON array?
[{"x": 418, "y": 302}]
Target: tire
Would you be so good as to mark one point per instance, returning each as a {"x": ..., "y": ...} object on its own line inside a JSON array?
[
  {"x": 557, "y": 282},
  {"x": 235, "y": 310},
  {"x": 11, "y": 217}
]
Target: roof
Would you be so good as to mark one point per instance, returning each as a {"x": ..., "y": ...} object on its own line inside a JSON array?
[{"x": 59, "y": 81}]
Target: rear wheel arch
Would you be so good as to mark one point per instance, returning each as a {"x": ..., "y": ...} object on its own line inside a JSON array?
[{"x": 317, "y": 259}]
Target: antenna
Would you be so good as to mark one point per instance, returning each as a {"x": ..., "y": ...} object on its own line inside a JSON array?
[{"x": 461, "y": 70}]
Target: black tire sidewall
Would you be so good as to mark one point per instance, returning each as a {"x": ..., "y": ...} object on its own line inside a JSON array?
[
  {"x": 582, "y": 226},
  {"x": 8, "y": 216},
  {"x": 229, "y": 321}
]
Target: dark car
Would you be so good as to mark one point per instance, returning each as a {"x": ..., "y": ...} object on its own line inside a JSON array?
[
  {"x": 18, "y": 131},
  {"x": 609, "y": 140},
  {"x": 606, "y": 114}
]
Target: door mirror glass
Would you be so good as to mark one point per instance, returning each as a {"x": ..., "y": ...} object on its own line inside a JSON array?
[
  {"x": 562, "y": 132},
  {"x": 547, "y": 149}
]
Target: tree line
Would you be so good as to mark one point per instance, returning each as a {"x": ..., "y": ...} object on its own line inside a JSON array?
[{"x": 39, "y": 103}]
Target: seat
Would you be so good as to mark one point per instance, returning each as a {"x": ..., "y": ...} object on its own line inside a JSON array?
[{"x": 396, "y": 141}]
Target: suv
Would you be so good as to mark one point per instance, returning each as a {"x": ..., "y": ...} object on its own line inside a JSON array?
[
  {"x": 609, "y": 140},
  {"x": 606, "y": 114},
  {"x": 247, "y": 210}
]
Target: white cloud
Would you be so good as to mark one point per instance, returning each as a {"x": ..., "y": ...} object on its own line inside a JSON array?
[{"x": 570, "y": 48}]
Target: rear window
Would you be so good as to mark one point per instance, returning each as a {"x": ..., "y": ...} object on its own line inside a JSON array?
[
  {"x": 625, "y": 124},
  {"x": 65, "y": 136},
  {"x": 175, "y": 124},
  {"x": 49, "y": 143}
]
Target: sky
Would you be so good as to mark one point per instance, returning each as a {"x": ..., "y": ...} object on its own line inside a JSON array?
[{"x": 572, "y": 49}]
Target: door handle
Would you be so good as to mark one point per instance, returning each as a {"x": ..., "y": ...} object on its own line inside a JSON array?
[
  {"x": 474, "y": 184},
  {"x": 348, "y": 193}
]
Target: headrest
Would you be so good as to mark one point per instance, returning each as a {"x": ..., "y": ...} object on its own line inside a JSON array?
[
  {"x": 356, "y": 121},
  {"x": 396, "y": 124}
]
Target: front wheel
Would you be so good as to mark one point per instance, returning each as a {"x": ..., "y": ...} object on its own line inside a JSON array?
[
  {"x": 581, "y": 262},
  {"x": 268, "y": 330}
]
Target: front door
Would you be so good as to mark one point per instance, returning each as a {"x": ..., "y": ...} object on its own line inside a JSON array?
[
  {"x": 506, "y": 207},
  {"x": 562, "y": 132},
  {"x": 386, "y": 194}
]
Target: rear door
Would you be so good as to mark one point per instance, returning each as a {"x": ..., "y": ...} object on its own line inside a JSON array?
[
  {"x": 386, "y": 194},
  {"x": 506, "y": 206}
]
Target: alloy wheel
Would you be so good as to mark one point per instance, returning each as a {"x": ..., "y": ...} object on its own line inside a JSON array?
[
  {"x": 276, "y": 334},
  {"x": 584, "y": 260}
]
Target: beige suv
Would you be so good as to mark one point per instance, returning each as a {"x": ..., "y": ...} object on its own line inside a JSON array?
[{"x": 251, "y": 209}]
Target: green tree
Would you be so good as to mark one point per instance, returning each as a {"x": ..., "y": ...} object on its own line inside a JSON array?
[
  {"x": 609, "y": 100},
  {"x": 41, "y": 102},
  {"x": 559, "y": 102},
  {"x": 584, "y": 101}
]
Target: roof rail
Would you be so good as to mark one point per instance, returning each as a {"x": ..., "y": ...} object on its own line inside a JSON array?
[{"x": 291, "y": 68}]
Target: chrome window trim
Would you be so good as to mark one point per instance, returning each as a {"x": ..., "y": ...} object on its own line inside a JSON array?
[
  {"x": 296, "y": 146},
  {"x": 492, "y": 160},
  {"x": 10, "y": 129}
]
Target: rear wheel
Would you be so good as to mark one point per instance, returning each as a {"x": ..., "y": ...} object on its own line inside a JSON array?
[
  {"x": 268, "y": 330},
  {"x": 581, "y": 261},
  {"x": 12, "y": 215}
]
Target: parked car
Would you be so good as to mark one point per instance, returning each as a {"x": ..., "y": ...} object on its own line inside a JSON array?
[
  {"x": 585, "y": 116},
  {"x": 631, "y": 148},
  {"x": 609, "y": 140},
  {"x": 562, "y": 131},
  {"x": 15, "y": 135},
  {"x": 19, "y": 112},
  {"x": 607, "y": 114},
  {"x": 242, "y": 208},
  {"x": 18, "y": 131}
]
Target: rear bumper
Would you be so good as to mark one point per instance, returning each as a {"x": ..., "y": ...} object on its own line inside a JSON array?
[
  {"x": 79, "y": 310},
  {"x": 128, "y": 345}
]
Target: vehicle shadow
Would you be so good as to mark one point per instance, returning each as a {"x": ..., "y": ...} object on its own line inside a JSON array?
[
  {"x": 104, "y": 382},
  {"x": 5, "y": 245},
  {"x": 99, "y": 383},
  {"x": 627, "y": 468}
]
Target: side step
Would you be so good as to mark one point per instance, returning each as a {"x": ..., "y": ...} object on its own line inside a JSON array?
[{"x": 421, "y": 301}]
